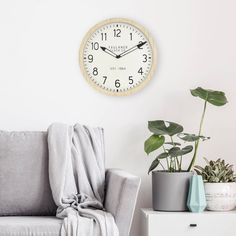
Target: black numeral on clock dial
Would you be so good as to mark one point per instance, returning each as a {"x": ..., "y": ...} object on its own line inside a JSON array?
[
  {"x": 141, "y": 46},
  {"x": 105, "y": 79},
  {"x": 117, "y": 33},
  {"x": 90, "y": 58},
  {"x": 131, "y": 36},
  {"x": 104, "y": 36},
  {"x": 140, "y": 71},
  {"x": 117, "y": 83},
  {"x": 95, "y": 71},
  {"x": 95, "y": 45},
  {"x": 131, "y": 81},
  {"x": 145, "y": 58}
]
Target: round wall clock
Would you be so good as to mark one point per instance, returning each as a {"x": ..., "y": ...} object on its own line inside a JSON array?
[{"x": 117, "y": 56}]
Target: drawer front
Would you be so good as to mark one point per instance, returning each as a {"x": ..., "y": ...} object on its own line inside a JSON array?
[{"x": 182, "y": 224}]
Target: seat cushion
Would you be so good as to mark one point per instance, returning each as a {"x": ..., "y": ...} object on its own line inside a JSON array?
[
  {"x": 24, "y": 181},
  {"x": 30, "y": 226}
]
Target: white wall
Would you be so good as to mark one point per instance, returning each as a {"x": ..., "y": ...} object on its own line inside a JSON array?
[{"x": 40, "y": 80}]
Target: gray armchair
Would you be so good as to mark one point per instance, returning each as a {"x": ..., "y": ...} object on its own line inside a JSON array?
[
  {"x": 26, "y": 204},
  {"x": 121, "y": 195}
]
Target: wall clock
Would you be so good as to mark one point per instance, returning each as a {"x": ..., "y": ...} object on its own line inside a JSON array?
[{"x": 117, "y": 56}]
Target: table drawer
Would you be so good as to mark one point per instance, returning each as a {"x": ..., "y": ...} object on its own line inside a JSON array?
[{"x": 190, "y": 224}]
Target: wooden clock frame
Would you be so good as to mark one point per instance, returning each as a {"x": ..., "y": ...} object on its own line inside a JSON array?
[{"x": 140, "y": 28}]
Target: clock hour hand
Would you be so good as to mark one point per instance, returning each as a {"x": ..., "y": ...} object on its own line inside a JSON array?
[
  {"x": 138, "y": 46},
  {"x": 109, "y": 52}
]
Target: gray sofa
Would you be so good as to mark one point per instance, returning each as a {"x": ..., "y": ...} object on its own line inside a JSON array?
[{"x": 26, "y": 203}]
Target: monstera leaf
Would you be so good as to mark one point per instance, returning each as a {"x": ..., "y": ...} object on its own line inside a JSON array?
[
  {"x": 216, "y": 98},
  {"x": 154, "y": 164},
  {"x": 176, "y": 151},
  {"x": 161, "y": 127},
  {"x": 191, "y": 137},
  {"x": 163, "y": 155},
  {"x": 153, "y": 143},
  {"x": 173, "y": 143}
]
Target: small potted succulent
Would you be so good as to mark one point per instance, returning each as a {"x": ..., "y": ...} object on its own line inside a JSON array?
[
  {"x": 220, "y": 185},
  {"x": 170, "y": 184}
]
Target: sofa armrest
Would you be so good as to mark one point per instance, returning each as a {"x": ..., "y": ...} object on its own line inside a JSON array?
[{"x": 121, "y": 195}]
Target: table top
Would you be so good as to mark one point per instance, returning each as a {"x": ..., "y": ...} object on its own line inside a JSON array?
[{"x": 150, "y": 211}]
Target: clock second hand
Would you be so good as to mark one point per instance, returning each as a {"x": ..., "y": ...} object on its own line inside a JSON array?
[
  {"x": 131, "y": 49},
  {"x": 109, "y": 52}
]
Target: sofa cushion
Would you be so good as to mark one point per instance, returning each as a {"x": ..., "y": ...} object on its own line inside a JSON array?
[
  {"x": 24, "y": 182},
  {"x": 30, "y": 226}
]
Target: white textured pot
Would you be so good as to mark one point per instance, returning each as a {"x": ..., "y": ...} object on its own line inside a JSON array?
[{"x": 220, "y": 196}]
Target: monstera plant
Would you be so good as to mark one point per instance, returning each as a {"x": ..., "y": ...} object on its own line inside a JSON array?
[
  {"x": 163, "y": 136},
  {"x": 165, "y": 133}
]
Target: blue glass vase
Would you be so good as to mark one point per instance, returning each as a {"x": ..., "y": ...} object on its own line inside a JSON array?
[{"x": 196, "y": 196}]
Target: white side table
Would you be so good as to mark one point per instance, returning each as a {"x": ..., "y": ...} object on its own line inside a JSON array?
[{"x": 208, "y": 223}]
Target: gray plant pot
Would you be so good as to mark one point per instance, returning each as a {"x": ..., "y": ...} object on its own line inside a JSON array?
[{"x": 170, "y": 190}]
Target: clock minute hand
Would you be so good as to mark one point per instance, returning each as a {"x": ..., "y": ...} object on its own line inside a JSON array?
[
  {"x": 131, "y": 49},
  {"x": 109, "y": 52}
]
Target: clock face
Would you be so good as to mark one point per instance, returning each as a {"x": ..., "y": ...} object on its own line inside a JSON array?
[{"x": 117, "y": 56}]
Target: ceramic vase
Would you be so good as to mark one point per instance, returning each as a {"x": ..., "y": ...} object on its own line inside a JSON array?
[{"x": 196, "y": 195}]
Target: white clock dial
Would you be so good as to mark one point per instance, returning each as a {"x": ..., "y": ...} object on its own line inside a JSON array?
[{"x": 117, "y": 56}]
